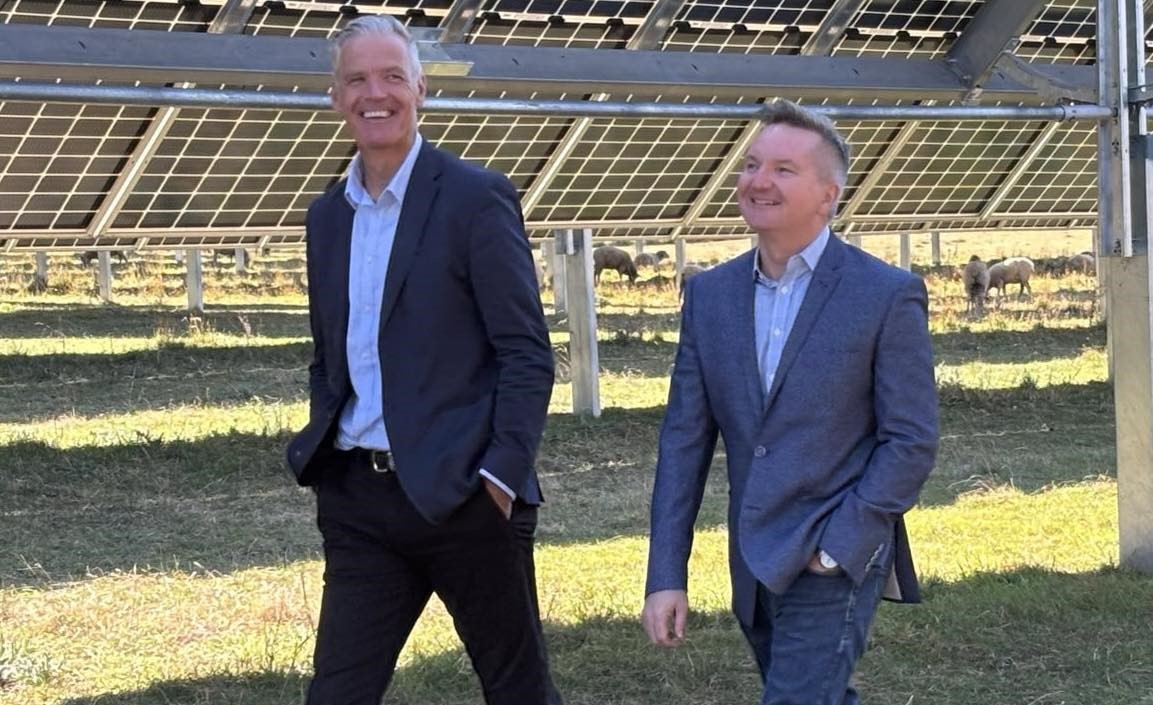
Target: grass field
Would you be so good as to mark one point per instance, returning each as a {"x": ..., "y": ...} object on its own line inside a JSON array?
[{"x": 153, "y": 550}]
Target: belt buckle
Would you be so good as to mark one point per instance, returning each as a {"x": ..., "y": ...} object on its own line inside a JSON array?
[{"x": 381, "y": 460}]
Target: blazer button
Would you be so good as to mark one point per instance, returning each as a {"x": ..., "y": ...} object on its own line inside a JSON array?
[{"x": 760, "y": 451}]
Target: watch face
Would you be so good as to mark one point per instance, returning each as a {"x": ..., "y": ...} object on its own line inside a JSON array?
[{"x": 827, "y": 561}]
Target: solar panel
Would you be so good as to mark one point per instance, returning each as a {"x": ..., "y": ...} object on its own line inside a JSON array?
[{"x": 226, "y": 172}]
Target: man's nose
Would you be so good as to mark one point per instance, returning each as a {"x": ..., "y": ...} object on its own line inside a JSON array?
[
  {"x": 376, "y": 86},
  {"x": 761, "y": 178}
]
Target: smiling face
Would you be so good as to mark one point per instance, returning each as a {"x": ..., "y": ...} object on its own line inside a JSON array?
[
  {"x": 787, "y": 186},
  {"x": 378, "y": 92}
]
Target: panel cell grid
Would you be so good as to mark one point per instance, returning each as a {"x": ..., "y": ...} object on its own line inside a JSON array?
[
  {"x": 531, "y": 30},
  {"x": 57, "y": 161},
  {"x": 742, "y": 27},
  {"x": 922, "y": 29},
  {"x": 1062, "y": 179},
  {"x": 516, "y": 147},
  {"x": 322, "y": 20},
  {"x": 118, "y": 14},
  {"x": 636, "y": 169},
  {"x": 1064, "y": 33},
  {"x": 950, "y": 167},
  {"x": 237, "y": 168}
]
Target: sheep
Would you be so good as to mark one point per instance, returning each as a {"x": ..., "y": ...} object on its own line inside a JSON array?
[
  {"x": 645, "y": 259},
  {"x": 1012, "y": 270},
  {"x": 1082, "y": 263},
  {"x": 542, "y": 278},
  {"x": 89, "y": 256},
  {"x": 975, "y": 277},
  {"x": 688, "y": 272},
  {"x": 615, "y": 259}
]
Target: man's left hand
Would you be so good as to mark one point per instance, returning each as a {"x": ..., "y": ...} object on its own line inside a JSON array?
[{"x": 502, "y": 500}]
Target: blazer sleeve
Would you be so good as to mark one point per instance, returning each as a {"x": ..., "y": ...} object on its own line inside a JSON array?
[
  {"x": 687, "y": 441},
  {"x": 906, "y": 412},
  {"x": 504, "y": 283}
]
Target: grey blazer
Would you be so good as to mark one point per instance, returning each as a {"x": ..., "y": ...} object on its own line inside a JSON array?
[{"x": 830, "y": 457}]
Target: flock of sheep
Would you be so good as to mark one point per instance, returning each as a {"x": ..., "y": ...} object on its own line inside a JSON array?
[
  {"x": 981, "y": 278},
  {"x": 614, "y": 259}
]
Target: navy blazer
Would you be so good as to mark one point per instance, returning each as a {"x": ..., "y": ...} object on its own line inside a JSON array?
[
  {"x": 466, "y": 363},
  {"x": 830, "y": 457}
]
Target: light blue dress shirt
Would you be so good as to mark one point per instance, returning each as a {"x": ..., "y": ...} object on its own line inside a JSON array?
[
  {"x": 777, "y": 302},
  {"x": 362, "y": 422}
]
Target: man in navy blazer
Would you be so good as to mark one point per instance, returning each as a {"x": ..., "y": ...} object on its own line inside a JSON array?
[
  {"x": 429, "y": 389},
  {"x": 812, "y": 360}
]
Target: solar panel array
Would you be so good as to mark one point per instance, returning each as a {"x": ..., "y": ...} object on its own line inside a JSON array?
[{"x": 217, "y": 176}]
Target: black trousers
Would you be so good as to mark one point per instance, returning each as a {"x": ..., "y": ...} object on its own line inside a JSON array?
[{"x": 382, "y": 563}]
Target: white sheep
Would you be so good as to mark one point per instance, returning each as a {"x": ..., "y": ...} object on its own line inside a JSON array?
[
  {"x": 1014, "y": 270},
  {"x": 975, "y": 277}
]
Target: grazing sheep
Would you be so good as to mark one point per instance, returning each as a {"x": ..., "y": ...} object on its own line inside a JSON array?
[
  {"x": 1082, "y": 263},
  {"x": 615, "y": 259},
  {"x": 645, "y": 259},
  {"x": 1054, "y": 266},
  {"x": 689, "y": 271},
  {"x": 542, "y": 277},
  {"x": 976, "y": 279},
  {"x": 1014, "y": 270},
  {"x": 89, "y": 256},
  {"x": 653, "y": 260}
]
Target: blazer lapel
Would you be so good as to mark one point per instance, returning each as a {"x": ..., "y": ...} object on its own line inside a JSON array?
[
  {"x": 745, "y": 332},
  {"x": 414, "y": 212},
  {"x": 825, "y": 278},
  {"x": 341, "y": 248}
]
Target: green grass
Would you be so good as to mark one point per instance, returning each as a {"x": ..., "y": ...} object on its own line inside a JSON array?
[{"x": 155, "y": 551}]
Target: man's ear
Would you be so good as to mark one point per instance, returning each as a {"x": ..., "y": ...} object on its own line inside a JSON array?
[{"x": 421, "y": 90}]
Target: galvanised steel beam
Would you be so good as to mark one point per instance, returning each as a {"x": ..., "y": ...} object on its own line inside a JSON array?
[
  {"x": 647, "y": 36},
  {"x": 460, "y": 18},
  {"x": 820, "y": 43},
  {"x": 986, "y": 36},
  {"x": 231, "y": 19},
  {"x": 1123, "y": 177},
  {"x": 151, "y": 57}
]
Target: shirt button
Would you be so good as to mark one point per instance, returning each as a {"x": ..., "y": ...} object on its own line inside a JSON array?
[
  {"x": 784, "y": 289},
  {"x": 777, "y": 332},
  {"x": 760, "y": 451}
]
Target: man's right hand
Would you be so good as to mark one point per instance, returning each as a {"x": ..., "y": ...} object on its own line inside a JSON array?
[{"x": 664, "y": 616}]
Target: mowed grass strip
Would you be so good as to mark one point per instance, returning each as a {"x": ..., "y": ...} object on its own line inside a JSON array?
[
  {"x": 1001, "y": 568},
  {"x": 156, "y": 552}
]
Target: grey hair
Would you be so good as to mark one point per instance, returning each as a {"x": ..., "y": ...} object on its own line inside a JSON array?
[
  {"x": 382, "y": 26},
  {"x": 785, "y": 112}
]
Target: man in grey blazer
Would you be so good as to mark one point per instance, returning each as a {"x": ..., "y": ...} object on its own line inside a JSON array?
[{"x": 813, "y": 361}]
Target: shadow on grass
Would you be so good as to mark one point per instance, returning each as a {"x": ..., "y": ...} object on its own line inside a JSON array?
[
  {"x": 1002, "y": 346},
  {"x": 40, "y": 387},
  {"x": 226, "y": 502},
  {"x": 1016, "y": 637},
  {"x": 48, "y": 320}
]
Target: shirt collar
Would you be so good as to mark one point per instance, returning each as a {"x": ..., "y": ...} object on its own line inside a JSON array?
[
  {"x": 810, "y": 256},
  {"x": 355, "y": 192}
]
